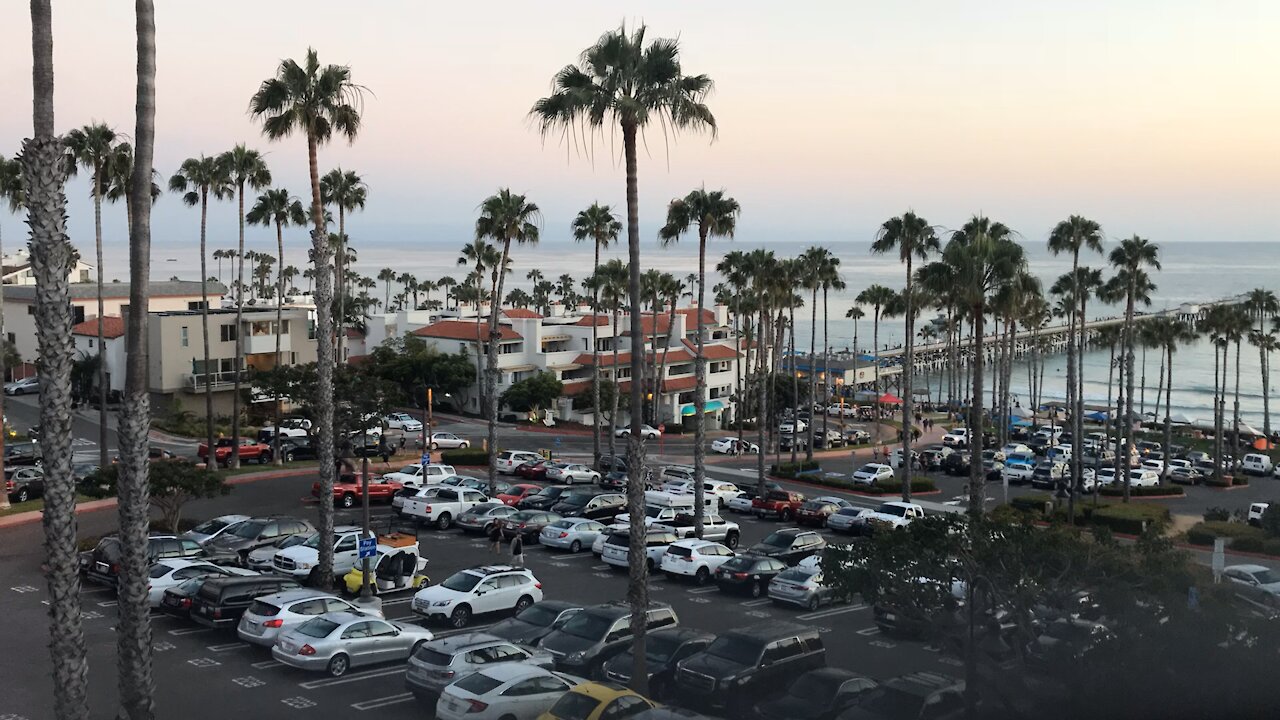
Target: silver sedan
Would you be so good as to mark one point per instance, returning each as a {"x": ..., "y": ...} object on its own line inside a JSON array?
[
  {"x": 336, "y": 642},
  {"x": 571, "y": 534}
]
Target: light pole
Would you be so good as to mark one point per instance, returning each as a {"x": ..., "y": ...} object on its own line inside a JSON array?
[{"x": 426, "y": 437}]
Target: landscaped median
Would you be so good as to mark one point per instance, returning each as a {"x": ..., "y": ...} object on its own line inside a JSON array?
[
  {"x": 810, "y": 471},
  {"x": 1129, "y": 518}
]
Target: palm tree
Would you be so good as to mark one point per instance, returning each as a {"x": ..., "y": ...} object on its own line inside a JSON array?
[
  {"x": 1168, "y": 333},
  {"x": 277, "y": 207},
  {"x": 1075, "y": 288},
  {"x": 670, "y": 289},
  {"x": 505, "y": 218},
  {"x": 198, "y": 178},
  {"x": 12, "y": 193},
  {"x": 1130, "y": 260},
  {"x": 760, "y": 268},
  {"x": 650, "y": 287},
  {"x": 913, "y": 238},
  {"x": 317, "y": 102},
  {"x": 1239, "y": 331},
  {"x": 733, "y": 269},
  {"x": 598, "y": 224},
  {"x": 979, "y": 259},
  {"x": 483, "y": 256},
  {"x": 1262, "y": 303},
  {"x": 90, "y": 147},
  {"x": 387, "y": 276},
  {"x": 829, "y": 278},
  {"x": 609, "y": 283},
  {"x": 877, "y": 296},
  {"x": 812, "y": 262},
  {"x": 345, "y": 189},
  {"x": 243, "y": 168},
  {"x": 715, "y": 215},
  {"x": 45, "y": 172},
  {"x": 855, "y": 314}
]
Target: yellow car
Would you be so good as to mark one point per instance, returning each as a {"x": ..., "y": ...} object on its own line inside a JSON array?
[{"x": 594, "y": 700}]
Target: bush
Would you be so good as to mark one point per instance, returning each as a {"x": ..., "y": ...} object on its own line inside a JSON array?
[
  {"x": 1158, "y": 490},
  {"x": 789, "y": 471},
  {"x": 1132, "y": 519},
  {"x": 1227, "y": 481},
  {"x": 1204, "y": 533},
  {"x": 894, "y": 487},
  {"x": 467, "y": 457},
  {"x": 1033, "y": 502},
  {"x": 1217, "y": 514},
  {"x": 1271, "y": 520}
]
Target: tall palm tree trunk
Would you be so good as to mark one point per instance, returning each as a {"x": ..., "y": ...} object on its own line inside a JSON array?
[
  {"x": 133, "y": 630},
  {"x": 233, "y": 457},
  {"x": 325, "y": 454},
  {"x": 1264, "y": 363},
  {"x": 45, "y": 174},
  {"x": 491, "y": 377},
  {"x": 617, "y": 388},
  {"x": 875, "y": 339},
  {"x": 1072, "y": 402},
  {"x": 795, "y": 383},
  {"x": 977, "y": 491},
  {"x": 813, "y": 370},
  {"x": 595, "y": 366},
  {"x": 211, "y": 459},
  {"x": 1081, "y": 338},
  {"x": 662, "y": 373},
  {"x": 739, "y": 395},
  {"x": 1235, "y": 413},
  {"x": 637, "y": 587},
  {"x": 762, "y": 390},
  {"x": 826, "y": 371},
  {"x": 1168, "y": 423},
  {"x": 1129, "y": 377},
  {"x": 482, "y": 406},
  {"x": 102, "y": 355},
  {"x": 700, "y": 388},
  {"x": 340, "y": 282},
  {"x": 275, "y": 437}
]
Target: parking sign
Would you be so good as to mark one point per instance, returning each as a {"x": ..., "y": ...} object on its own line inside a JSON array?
[{"x": 368, "y": 547}]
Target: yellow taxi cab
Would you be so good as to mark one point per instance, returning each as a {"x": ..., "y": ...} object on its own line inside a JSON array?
[{"x": 597, "y": 700}]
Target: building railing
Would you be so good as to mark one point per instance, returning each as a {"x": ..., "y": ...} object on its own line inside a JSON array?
[{"x": 224, "y": 380}]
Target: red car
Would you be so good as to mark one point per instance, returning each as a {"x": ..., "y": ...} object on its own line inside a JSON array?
[
  {"x": 532, "y": 470},
  {"x": 517, "y": 493},
  {"x": 346, "y": 492},
  {"x": 249, "y": 451},
  {"x": 816, "y": 512}
]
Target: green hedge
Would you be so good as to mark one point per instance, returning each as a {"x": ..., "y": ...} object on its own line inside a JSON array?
[
  {"x": 1204, "y": 533},
  {"x": 1269, "y": 546},
  {"x": 894, "y": 487},
  {"x": 1227, "y": 480},
  {"x": 1112, "y": 491},
  {"x": 1033, "y": 502},
  {"x": 1129, "y": 518},
  {"x": 789, "y": 471},
  {"x": 468, "y": 457}
]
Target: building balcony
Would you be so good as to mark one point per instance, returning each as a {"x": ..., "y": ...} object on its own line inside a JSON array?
[
  {"x": 255, "y": 344},
  {"x": 195, "y": 383}
]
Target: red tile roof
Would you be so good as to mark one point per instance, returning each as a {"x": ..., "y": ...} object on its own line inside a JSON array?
[
  {"x": 590, "y": 320},
  {"x": 676, "y": 355},
  {"x": 708, "y": 317},
  {"x": 522, "y": 313},
  {"x": 112, "y": 327},
  {"x": 712, "y": 351},
  {"x": 463, "y": 330}
]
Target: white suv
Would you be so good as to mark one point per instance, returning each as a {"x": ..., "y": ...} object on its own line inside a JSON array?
[
  {"x": 698, "y": 559},
  {"x": 508, "y": 460},
  {"x": 477, "y": 591},
  {"x": 617, "y": 548}
]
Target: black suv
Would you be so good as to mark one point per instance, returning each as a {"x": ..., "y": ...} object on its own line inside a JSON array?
[
  {"x": 745, "y": 664},
  {"x": 790, "y": 545},
  {"x": 590, "y": 504},
  {"x": 957, "y": 463},
  {"x": 664, "y": 650},
  {"x": 295, "y": 448},
  {"x": 594, "y": 635},
  {"x": 545, "y": 498},
  {"x": 221, "y": 601},
  {"x": 235, "y": 544},
  {"x": 610, "y": 462},
  {"x": 102, "y": 564},
  {"x": 22, "y": 453}
]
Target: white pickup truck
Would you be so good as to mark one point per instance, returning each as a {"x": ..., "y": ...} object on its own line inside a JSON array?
[
  {"x": 892, "y": 515},
  {"x": 297, "y": 561},
  {"x": 714, "y": 528},
  {"x": 411, "y": 475},
  {"x": 956, "y": 437},
  {"x": 441, "y": 509}
]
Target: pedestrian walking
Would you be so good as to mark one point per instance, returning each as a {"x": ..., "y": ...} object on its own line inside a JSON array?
[
  {"x": 875, "y": 454},
  {"x": 495, "y": 538},
  {"x": 517, "y": 551}
]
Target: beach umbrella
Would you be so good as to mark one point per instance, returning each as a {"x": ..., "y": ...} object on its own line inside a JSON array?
[{"x": 890, "y": 399}]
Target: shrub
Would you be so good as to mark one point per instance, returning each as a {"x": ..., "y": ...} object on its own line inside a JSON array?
[
  {"x": 1159, "y": 490},
  {"x": 467, "y": 457},
  {"x": 1227, "y": 480},
  {"x": 1271, "y": 520},
  {"x": 789, "y": 471},
  {"x": 1132, "y": 519},
  {"x": 1217, "y": 514},
  {"x": 894, "y": 487},
  {"x": 1204, "y": 533},
  {"x": 1248, "y": 543},
  {"x": 1033, "y": 502}
]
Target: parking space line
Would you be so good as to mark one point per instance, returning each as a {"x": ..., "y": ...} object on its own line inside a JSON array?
[
  {"x": 354, "y": 677},
  {"x": 227, "y": 646},
  {"x": 755, "y": 603},
  {"x": 571, "y": 556},
  {"x": 830, "y": 612},
  {"x": 108, "y": 603},
  {"x": 868, "y": 632},
  {"x": 459, "y": 631},
  {"x": 263, "y": 665},
  {"x": 600, "y": 567},
  {"x": 190, "y": 631},
  {"x": 703, "y": 590},
  {"x": 397, "y": 601},
  {"x": 383, "y": 702}
]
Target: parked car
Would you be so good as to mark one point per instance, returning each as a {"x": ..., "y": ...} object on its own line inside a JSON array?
[
  {"x": 819, "y": 694},
  {"x": 1256, "y": 511},
  {"x": 791, "y": 427},
  {"x": 617, "y": 548},
  {"x": 448, "y": 441},
  {"x": 508, "y": 460},
  {"x": 247, "y": 449},
  {"x": 792, "y": 441},
  {"x": 244, "y": 537},
  {"x": 438, "y": 663},
  {"x": 857, "y": 436},
  {"x": 595, "y": 634},
  {"x": 849, "y": 520},
  {"x": 1047, "y": 475},
  {"x": 349, "y": 489},
  {"x": 478, "y": 591},
  {"x": 403, "y": 422},
  {"x": 749, "y": 574},
  {"x": 336, "y": 642},
  {"x": 260, "y": 560},
  {"x": 891, "y": 515},
  {"x": 176, "y": 601},
  {"x": 732, "y": 446},
  {"x": 664, "y": 649},
  {"x": 590, "y": 505},
  {"x": 300, "y": 561},
  {"x": 572, "y": 473},
  {"x": 790, "y": 545},
  {"x": 269, "y": 616},
  {"x": 515, "y": 493},
  {"x": 221, "y": 601},
  {"x": 816, "y": 512},
  {"x": 698, "y": 559},
  {"x": 918, "y": 695},
  {"x": 956, "y": 438},
  {"x": 802, "y": 586},
  {"x": 23, "y": 386},
  {"x": 527, "y": 524},
  {"x": 1256, "y": 464},
  {"x": 782, "y": 504},
  {"x": 165, "y": 574},
  {"x": 745, "y": 664},
  {"x": 24, "y": 483},
  {"x": 411, "y": 475},
  {"x": 1257, "y": 582},
  {"x": 102, "y": 564},
  {"x": 571, "y": 533},
  {"x": 23, "y": 453},
  {"x": 482, "y": 518},
  {"x": 297, "y": 448},
  {"x": 597, "y": 701},
  {"x": 544, "y": 499},
  {"x": 535, "y": 622},
  {"x": 714, "y": 528},
  {"x": 509, "y": 691},
  {"x": 646, "y": 432},
  {"x": 957, "y": 463},
  {"x": 871, "y": 473},
  {"x": 1185, "y": 475}
]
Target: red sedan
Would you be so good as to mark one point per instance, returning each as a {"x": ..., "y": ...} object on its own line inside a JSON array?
[
  {"x": 347, "y": 492},
  {"x": 517, "y": 493},
  {"x": 532, "y": 470},
  {"x": 815, "y": 512}
]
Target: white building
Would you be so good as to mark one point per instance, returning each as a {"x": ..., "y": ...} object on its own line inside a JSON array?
[{"x": 17, "y": 270}]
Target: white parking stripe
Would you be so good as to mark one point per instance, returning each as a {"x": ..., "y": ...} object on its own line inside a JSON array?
[
  {"x": 830, "y": 612},
  {"x": 190, "y": 631},
  {"x": 383, "y": 702},
  {"x": 228, "y": 646},
  {"x": 459, "y": 631},
  {"x": 704, "y": 590},
  {"x": 755, "y": 603},
  {"x": 266, "y": 664},
  {"x": 571, "y": 556},
  {"x": 868, "y": 632},
  {"x": 354, "y": 677},
  {"x": 397, "y": 601}
]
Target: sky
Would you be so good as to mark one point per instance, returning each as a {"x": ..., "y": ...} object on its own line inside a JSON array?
[{"x": 1152, "y": 117}]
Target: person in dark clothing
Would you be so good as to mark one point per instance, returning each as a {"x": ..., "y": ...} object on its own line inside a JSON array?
[
  {"x": 495, "y": 539},
  {"x": 517, "y": 551},
  {"x": 384, "y": 449}
]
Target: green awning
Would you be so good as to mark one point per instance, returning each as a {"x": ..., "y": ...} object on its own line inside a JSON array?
[{"x": 712, "y": 406}]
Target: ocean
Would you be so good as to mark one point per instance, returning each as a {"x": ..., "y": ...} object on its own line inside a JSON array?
[{"x": 1191, "y": 272}]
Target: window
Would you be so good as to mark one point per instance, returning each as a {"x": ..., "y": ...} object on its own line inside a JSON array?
[
  {"x": 381, "y": 629},
  {"x": 335, "y": 605},
  {"x": 90, "y": 343},
  {"x": 309, "y": 607},
  {"x": 227, "y": 333},
  {"x": 77, "y": 314},
  {"x": 195, "y": 305},
  {"x": 528, "y": 687},
  {"x": 185, "y": 343},
  {"x": 31, "y": 309},
  {"x": 358, "y": 630},
  {"x": 347, "y": 544},
  {"x": 782, "y": 650},
  {"x": 190, "y": 547},
  {"x": 624, "y": 707}
]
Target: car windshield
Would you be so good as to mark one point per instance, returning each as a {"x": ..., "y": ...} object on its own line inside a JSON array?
[
  {"x": 290, "y": 540},
  {"x": 159, "y": 570},
  {"x": 1267, "y": 577},
  {"x": 410, "y": 469},
  {"x": 577, "y": 499},
  {"x": 796, "y": 575},
  {"x": 249, "y": 529},
  {"x": 779, "y": 540},
  {"x": 551, "y": 492},
  {"x": 891, "y": 509},
  {"x": 317, "y": 627},
  {"x": 538, "y": 615},
  {"x": 573, "y": 706},
  {"x": 461, "y": 582},
  {"x": 478, "y": 683},
  {"x": 313, "y": 541},
  {"x": 849, "y": 511},
  {"x": 660, "y": 648},
  {"x": 735, "y": 649},
  {"x": 210, "y": 527},
  {"x": 870, "y": 469},
  {"x": 588, "y": 626},
  {"x": 653, "y": 511},
  {"x": 563, "y": 524},
  {"x": 262, "y": 608}
]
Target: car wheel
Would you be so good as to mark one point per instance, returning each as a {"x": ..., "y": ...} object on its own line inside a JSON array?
[
  {"x": 523, "y": 603},
  {"x": 23, "y": 496},
  {"x": 348, "y": 500},
  {"x": 701, "y": 576},
  {"x": 444, "y": 521},
  {"x": 460, "y": 617},
  {"x": 812, "y": 604},
  {"x": 649, "y": 563},
  {"x": 464, "y": 445},
  {"x": 756, "y": 589},
  {"x": 731, "y": 540},
  {"x": 575, "y": 547},
  {"x": 288, "y": 457},
  {"x": 435, "y": 445},
  {"x": 338, "y": 665},
  {"x": 786, "y": 516}
]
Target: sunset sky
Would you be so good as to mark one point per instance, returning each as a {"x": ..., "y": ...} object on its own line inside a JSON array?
[{"x": 1156, "y": 118}]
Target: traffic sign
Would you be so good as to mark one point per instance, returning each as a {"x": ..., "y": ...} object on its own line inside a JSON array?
[
  {"x": 426, "y": 459},
  {"x": 368, "y": 547}
]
